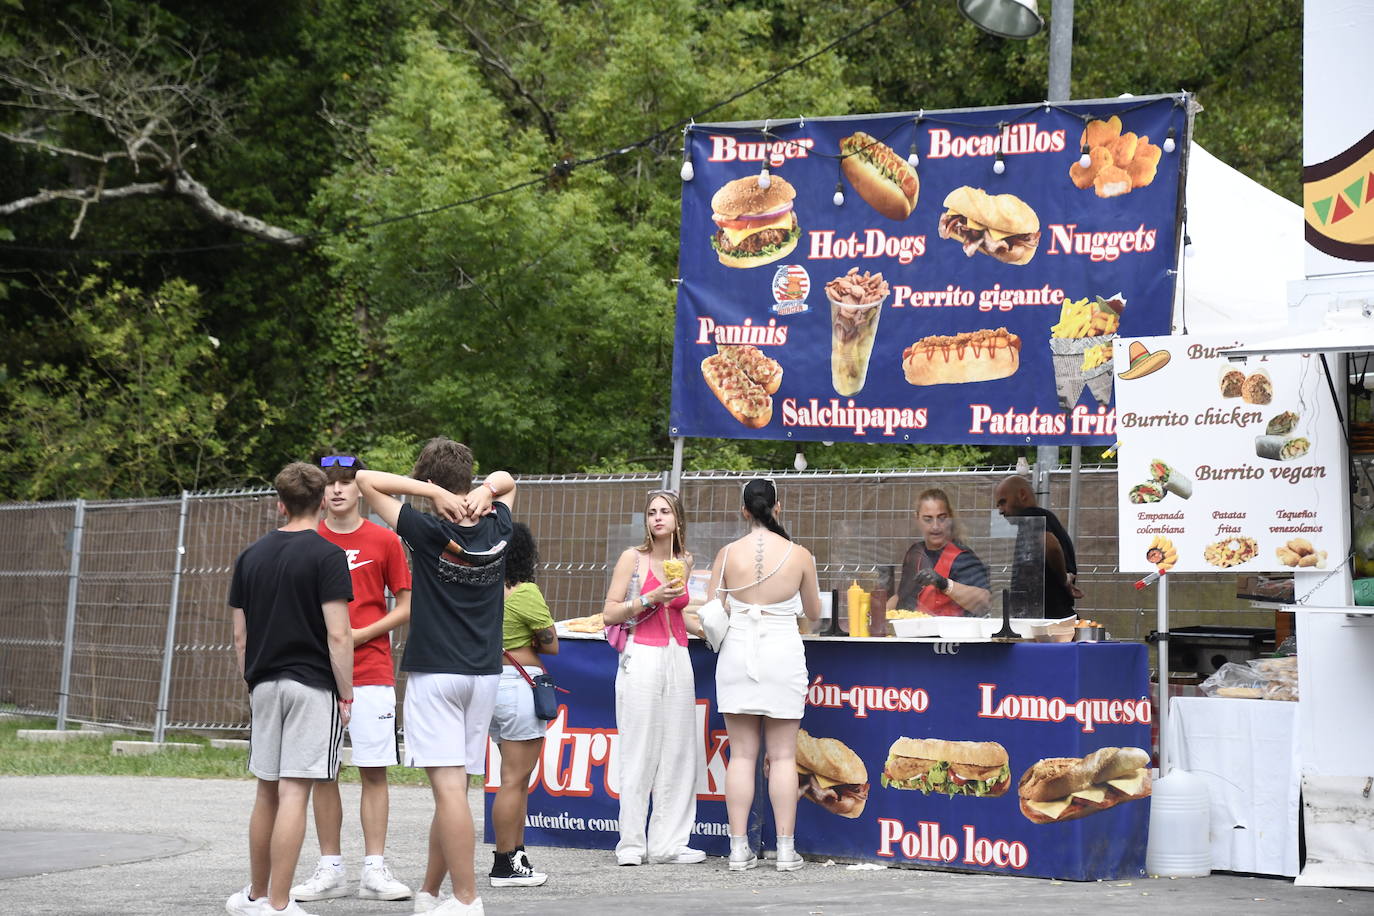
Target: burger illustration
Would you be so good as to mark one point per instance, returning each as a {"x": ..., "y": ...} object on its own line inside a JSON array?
[{"x": 754, "y": 225}]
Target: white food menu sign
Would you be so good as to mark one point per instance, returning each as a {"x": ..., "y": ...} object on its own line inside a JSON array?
[{"x": 1224, "y": 465}]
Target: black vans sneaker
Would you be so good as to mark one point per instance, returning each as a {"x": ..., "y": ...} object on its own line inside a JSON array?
[{"x": 512, "y": 869}]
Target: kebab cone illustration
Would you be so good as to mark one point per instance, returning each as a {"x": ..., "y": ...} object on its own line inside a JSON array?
[{"x": 1081, "y": 348}]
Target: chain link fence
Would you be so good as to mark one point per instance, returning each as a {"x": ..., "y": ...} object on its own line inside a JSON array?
[{"x": 115, "y": 612}]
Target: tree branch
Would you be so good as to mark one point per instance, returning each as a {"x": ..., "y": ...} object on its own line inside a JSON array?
[
  {"x": 180, "y": 185},
  {"x": 199, "y": 195}
]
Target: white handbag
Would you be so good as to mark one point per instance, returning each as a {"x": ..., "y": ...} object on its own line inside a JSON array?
[{"x": 715, "y": 621}]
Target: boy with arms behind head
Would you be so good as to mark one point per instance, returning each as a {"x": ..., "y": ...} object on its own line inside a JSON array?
[
  {"x": 377, "y": 563},
  {"x": 453, "y": 652},
  {"x": 289, "y": 600}
]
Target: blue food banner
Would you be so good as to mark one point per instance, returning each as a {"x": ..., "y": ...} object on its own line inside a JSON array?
[
  {"x": 914, "y": 754},
  {"x": 830, "y": 290}
]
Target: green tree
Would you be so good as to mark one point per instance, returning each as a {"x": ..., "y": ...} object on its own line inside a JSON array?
[{"x": 131, "y": 414}]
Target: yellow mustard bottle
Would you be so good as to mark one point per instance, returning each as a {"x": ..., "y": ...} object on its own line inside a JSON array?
[
  {"x": 863, "y": 614},
  {"x": 858, "y": 620}
]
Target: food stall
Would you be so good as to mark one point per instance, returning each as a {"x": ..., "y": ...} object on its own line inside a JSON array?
[
  {"x": 993, "y": 711},
  {"x": 920, "y": 277}
]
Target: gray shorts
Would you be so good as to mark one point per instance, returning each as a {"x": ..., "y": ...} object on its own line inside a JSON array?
[
  {"x": 296, "y": 732},
  {"x": 514, "y": 718}
]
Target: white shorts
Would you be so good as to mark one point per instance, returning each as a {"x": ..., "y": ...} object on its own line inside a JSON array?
[
  {"x": 372, "y": 727},
  {"x": 447, "y": 716},
  {"x": 514, "y": 718},
  {"x": 296, "y": 732}
]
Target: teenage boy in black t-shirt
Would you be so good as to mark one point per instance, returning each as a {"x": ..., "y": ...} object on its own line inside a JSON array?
[
  {"x": 453, "y": 650},
  {"x": 289, "y": 599}
]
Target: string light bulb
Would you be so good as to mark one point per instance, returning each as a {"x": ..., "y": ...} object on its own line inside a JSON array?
[
  {"x": 764, "y": 180},
  {"x": 1169, "y": 144},
  {"x": 688, "y": 173},
  {"x": 839, "y": 195},
  {"x": 999, "y": 165},
  {"x": 1188, "y": 251},
  {"x": 799, "y": 462},
  {"x": 1085, "y": 160},
  {"x": 912, "y": 158}
]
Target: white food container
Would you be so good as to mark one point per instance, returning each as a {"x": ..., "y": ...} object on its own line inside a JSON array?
[
  {"x": 957, "y": 628},
  {"x": 914, "y": 626}
]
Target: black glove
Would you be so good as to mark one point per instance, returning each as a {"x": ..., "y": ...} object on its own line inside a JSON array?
[{"x": 931, "y": 577}]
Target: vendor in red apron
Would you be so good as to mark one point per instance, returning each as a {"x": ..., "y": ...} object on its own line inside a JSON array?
[{"x": 940, "y": 576}]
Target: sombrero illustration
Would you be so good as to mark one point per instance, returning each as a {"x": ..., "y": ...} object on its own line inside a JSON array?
[{"x": 1143, "y": 362}]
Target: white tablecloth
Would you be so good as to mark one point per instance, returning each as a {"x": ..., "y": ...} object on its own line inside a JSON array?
[{"x": 1247, "y": 750}]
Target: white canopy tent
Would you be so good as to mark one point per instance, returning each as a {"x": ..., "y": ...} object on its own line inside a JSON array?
[{"x": 1247, "y": 246}]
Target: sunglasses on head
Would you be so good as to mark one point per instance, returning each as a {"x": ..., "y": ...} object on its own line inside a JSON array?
[
  {"x": 672, "y": 493},
  {"x": 340, "y": 461}
]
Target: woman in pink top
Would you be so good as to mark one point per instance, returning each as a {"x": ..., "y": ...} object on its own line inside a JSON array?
[{"x": 655, "y": 694}]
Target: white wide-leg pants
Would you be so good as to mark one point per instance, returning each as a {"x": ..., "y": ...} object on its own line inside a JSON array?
[{"x": 659, "y": 753}]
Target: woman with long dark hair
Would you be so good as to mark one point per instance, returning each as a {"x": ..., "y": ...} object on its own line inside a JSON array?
[
  {"x": 761, "y": 673},
  {"x": 527, "y": 633},
  {"x": 655, "y": 693}
]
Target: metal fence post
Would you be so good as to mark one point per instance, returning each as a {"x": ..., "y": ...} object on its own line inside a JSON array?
[
  {"x": 164, "y": 687},
  {"x": 69, "y": 630}
]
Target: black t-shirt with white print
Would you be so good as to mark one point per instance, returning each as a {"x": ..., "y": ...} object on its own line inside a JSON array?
[{"x": 459, "y": 594}]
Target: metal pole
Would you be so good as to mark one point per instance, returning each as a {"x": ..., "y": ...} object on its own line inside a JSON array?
[
  {"x": 1046, "y": 460},
  {"x": 1075, "y": 466},
  {"x": 164, "y": 687},
  {"x": 1061, "y": 67},
  {"x": 1162, "y": 625},
  {"x": 675, "y": 480},
  {"x": 1061, "y": 49},
  {"x": 69, "y": 631}
]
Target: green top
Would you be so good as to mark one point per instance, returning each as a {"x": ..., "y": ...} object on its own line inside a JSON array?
[{"x": 526, "y": 612}]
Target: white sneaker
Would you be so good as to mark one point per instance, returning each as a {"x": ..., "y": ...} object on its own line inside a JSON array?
[
  {"x": 292, "y": 909},
  {"x": 743, "y": 860},
  {"x": 240, "y": 904},
  {"x": 790, "y": 862},
  {"x": 425, "y": 903},
  {"x": 685, "y": 856},
  {"x": 326, "y": 883},
  {"x": 379, "y": 884},
  {"x": 451, "y": 907}
]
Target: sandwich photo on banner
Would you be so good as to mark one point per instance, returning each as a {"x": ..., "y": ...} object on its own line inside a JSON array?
[
  {"x": 931, "y": 765},
  {"x": 831, "y": 775}
]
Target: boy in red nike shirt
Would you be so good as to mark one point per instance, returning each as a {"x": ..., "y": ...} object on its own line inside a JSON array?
[{"x": 376, "y": 562}]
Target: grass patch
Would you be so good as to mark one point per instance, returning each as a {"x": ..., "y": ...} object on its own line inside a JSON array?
[{"x": 92, "y": 757}]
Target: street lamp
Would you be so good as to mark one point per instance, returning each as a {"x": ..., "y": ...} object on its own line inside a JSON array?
[
  {"x": 1021, "y": 19},
  {"x": 1004, "y": 18}
]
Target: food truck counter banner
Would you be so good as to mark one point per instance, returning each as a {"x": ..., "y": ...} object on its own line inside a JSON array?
[
  {"x": 946, "y": 302},
  {"x": 911, "y": 754},
  {"x": 1226, "y": 465}
]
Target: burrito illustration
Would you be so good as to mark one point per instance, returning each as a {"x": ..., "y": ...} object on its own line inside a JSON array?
[
  {"x": 1148, "y": 492},
  {"x": 1282, "y": 424},
  {"x": 1281, "y": 448},
  {"x": 1169, "y": 478}
]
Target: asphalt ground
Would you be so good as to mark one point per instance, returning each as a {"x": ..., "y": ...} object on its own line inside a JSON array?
[{"x": 103, "y": 845}]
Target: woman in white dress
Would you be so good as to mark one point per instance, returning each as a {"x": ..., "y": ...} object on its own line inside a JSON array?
[{"x": 766, "y": 582}]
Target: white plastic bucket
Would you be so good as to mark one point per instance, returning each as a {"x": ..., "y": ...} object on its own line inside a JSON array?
[{"x": 1180, "y": 843}]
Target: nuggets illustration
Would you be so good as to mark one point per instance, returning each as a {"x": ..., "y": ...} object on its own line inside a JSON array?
[
  {"x": 1119, "y": 162},
  {"x": 1099, "y": 133}
]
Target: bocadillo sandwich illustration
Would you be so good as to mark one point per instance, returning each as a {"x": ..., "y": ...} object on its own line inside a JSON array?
[
  {"x": 1063, "y": 788},
  {"x": 831, "y": 775},
  {"x": 977, "y": 768}
]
